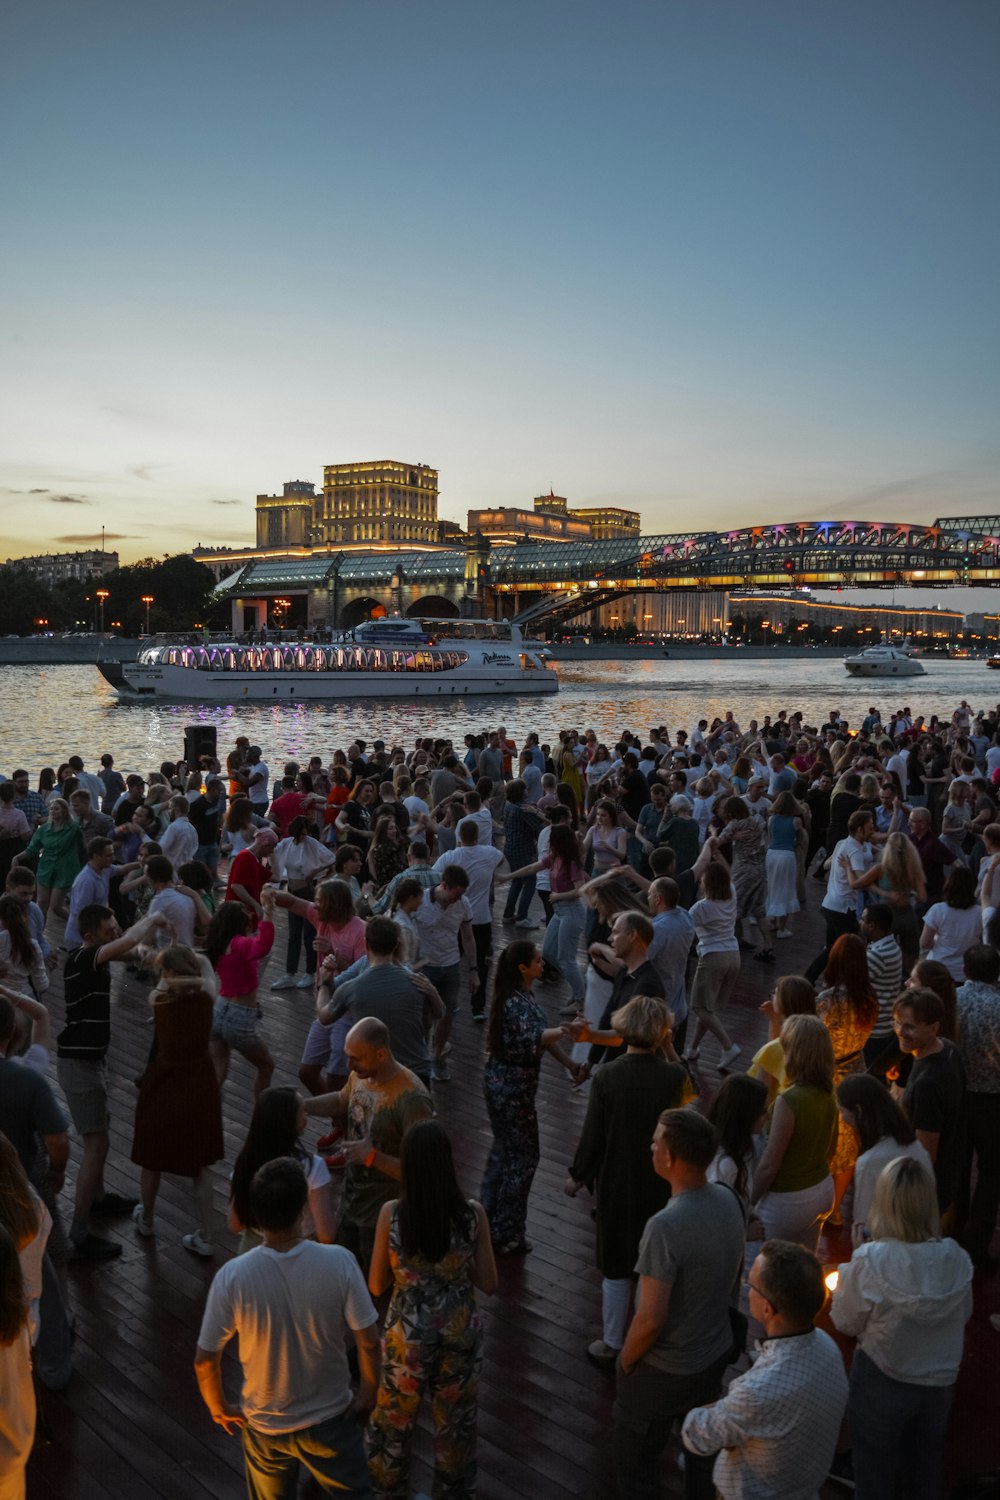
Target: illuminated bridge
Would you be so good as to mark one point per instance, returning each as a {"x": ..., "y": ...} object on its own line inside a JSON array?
[{"x": 544, "y": 583}]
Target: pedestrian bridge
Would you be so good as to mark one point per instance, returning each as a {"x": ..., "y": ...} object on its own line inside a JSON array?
[{"x": 545, "y": 582}]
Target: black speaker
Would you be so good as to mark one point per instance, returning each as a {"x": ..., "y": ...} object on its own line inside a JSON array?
[{"x": 199, "y": 740}]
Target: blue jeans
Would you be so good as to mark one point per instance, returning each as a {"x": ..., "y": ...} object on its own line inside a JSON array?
[
  {"x": 332, "y": 1452},
  {"x": 208, "y": 854},
  {"x": 897, "y": 1434},
  {"x": 447, "y": 980},
  {"x": 519, "y": 894},
  {"x": 301, "y": 932},
  {"x": 562, "y": 942}
]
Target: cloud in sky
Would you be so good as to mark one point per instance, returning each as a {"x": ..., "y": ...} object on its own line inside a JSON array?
[
  {"x": 108, "y": 536},
  {"x": 145, "y": 471},
  {"x": 64, "y": 499},
  {"x": 227, "y": 502}
]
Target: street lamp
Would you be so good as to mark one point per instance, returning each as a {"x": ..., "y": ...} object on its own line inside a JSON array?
[
  {"x": 147, "y": 600},
  {"x": 102, "y": 594}
]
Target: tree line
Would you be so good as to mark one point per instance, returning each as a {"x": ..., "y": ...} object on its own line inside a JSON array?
[{"x": 181, "y": 591}]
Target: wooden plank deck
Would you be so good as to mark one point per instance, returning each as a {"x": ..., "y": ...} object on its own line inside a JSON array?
[{"x": 131, "y": 1423}]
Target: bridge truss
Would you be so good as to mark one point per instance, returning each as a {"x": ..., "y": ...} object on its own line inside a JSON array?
[{"x": 569, "y": 580}]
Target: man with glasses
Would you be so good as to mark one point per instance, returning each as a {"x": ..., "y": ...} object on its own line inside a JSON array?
[{"x": 775, "y": 1431}]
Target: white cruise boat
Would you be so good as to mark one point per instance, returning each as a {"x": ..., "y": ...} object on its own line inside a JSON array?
[
  {"x": 885, "y": 661},
  {"x": 387, "y": 658}
]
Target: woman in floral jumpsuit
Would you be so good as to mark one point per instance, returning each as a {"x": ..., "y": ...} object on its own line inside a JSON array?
[
  {"x": 517, "y": 1039},
  {"x": 432, "y": 1246}
]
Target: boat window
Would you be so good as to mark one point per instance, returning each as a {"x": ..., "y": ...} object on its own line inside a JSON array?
[{"x": 319, "y": 659}]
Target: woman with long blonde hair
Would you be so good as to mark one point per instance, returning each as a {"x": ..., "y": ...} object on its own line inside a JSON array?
[
  {"x": 792, "y": 1186},
  {"x": 59, "y": 844}
]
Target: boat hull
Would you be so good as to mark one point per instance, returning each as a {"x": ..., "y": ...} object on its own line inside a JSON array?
[
  {"x": 884, "y": 669},
  {"x": 133, "y": 681}
]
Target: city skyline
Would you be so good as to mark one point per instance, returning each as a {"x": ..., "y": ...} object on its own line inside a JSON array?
[{"x": 717, "y": 264}]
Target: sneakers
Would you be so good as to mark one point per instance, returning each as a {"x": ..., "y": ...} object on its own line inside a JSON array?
[
  {"x": 197, "y": 1243},
  {"x": 600, "y": 1353},
  {"x": 305, "y": 982},
  {"x": 142, "y": 1224},
  {"x": 525, "y": 924},
  {"x": 729, "y": 1056},
  {"x": 783, "y": 932},
  {"x": 440, "y": 1071},
  {"x": 286, "y": 982},
  {"x": 112, "y": 1206},
  {"x": 93, "y": 1248}
]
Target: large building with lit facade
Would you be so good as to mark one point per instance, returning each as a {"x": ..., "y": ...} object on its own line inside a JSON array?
[
  {"x": 361, "y": 504},
  {"x": 552, "y": 519},
  {"x": 783, "y": 616},
  {"x": 286, "y": 520},
  {"x": 383, "y": 501}
]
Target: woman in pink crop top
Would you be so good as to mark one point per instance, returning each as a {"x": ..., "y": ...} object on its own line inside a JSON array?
[{"x": 235, "y": 954}]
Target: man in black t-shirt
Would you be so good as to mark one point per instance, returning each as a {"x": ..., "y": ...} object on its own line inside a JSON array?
[
  {"x": 206, "y": 814},
  {"x": 935, "y": 1092},
  {"x": 81, "y": 1066}
]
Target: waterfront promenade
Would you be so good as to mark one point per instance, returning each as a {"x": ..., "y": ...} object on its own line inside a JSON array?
[{"x": 132, "y": 1426}]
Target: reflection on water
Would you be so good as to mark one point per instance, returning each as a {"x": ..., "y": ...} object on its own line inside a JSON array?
[{"x": 51, "y": 712}]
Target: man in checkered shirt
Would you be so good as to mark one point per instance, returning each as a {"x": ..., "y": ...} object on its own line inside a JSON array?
[{"x": 775, "y": 1430}]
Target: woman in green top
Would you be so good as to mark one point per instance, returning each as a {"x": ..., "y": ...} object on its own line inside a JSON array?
[
  {"x": 61, "y": 856},
  {"x": 792, "y": 1187}
]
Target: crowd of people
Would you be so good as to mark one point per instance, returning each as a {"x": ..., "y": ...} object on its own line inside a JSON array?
[{"x": 657, "y": 867}]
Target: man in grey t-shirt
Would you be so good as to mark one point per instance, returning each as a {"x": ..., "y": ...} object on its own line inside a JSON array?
[
  {"x": 679, "y": 1342},
  {"x": 402, "y": 1001}
]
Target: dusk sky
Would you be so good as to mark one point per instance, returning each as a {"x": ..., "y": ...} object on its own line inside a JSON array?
[{"x": 719, "y": 262}]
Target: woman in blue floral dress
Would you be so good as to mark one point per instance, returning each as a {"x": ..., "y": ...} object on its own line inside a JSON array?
[
  {"x": 432, "y": 1246},
  {"x": 517, "y": 1039}
]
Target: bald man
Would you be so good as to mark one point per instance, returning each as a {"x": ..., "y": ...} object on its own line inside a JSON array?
[{"x": 379, "y": 1102}]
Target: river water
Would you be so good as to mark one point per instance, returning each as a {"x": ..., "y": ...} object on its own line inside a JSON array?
[{"x": 48, "y": 713}]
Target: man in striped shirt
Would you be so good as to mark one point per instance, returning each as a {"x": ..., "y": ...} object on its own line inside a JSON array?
[{"x": 885, "y": 970}]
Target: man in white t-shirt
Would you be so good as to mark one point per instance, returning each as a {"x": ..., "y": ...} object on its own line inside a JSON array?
[
  {"x": 444, "y": 930},
  {"x": 177, "y": 908},
  {"x": 851, "y": 856},
  {"x": 290, "y": 1302},
  {"x": 479, "y": 861},
  {"x": 179, "y": 840}
]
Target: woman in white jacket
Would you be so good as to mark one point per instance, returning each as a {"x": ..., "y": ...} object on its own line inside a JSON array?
[{"x": 906, "y": 1296}]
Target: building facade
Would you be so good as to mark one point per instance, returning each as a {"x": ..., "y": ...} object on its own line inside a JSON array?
[
  {"x": 286, "y": 520},
  {"x": 59, "y": 567},
  {"x": 383, "y": 501},
  {"x": 552, "y": 519}
]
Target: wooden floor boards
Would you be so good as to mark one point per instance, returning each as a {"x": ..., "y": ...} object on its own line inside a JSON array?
[{"x": 131, "y": 1423}]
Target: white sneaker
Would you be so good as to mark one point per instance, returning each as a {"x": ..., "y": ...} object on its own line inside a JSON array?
[
  {"x": 305, "y": 982},
  {"x": 525, "y": 924},
  {"x": 144, "y": 1227},
  {"x": 783, "y": 932},
  {"x": 729, "y": 1056},
  {"x": 286, "y": 982},
  {"x": 197, "y": 1243}
]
